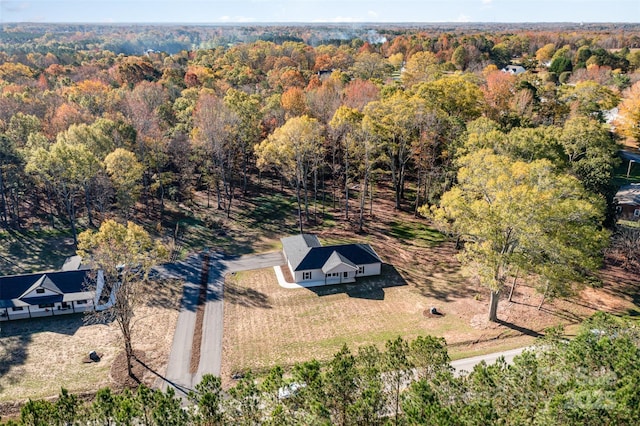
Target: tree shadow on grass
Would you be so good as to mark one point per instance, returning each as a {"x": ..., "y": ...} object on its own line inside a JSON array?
[
  {"x": 268, "y": 213},
  {"x": 13, "y": 353},
  {"x": 519, "y": 329},
  {"x": 563, "y": 314},
  {"x": 371, "y": 288},
  {"x": 35, "y": 251},
  {"x": 246, "y": 297},
  {"x": 16, "y": 335}
]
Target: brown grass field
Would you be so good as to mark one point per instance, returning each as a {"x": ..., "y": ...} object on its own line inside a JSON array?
[
  {"x": 39, "y": 356},
  {"x": 265, "y": 324}
]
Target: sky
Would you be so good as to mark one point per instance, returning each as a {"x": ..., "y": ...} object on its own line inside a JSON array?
[{"x": 309, "y": 11}]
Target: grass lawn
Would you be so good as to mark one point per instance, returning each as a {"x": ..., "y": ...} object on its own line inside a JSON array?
[
  {"x": 265, "y": 324},
  {"x": 40, "y": 355},
  {"x": 270, "y": 325},
  {"x": 34, "y": 251}
]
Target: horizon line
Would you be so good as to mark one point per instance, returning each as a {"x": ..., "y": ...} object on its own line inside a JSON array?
[{"x": 248, "y": 23}]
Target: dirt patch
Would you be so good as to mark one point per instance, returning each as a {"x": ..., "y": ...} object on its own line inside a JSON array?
[
  {"x": 197, "y": 331},
  {"x": 119, "y": 373}
]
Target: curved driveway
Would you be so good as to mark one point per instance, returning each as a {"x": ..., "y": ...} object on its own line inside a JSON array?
[{"x": 178, "y": 374}]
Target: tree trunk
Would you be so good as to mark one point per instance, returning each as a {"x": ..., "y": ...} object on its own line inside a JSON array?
[
  {"x": 229, "y": 188},
  {"x": 299, "y": 207},
  {"x": 544, "y": 295},
  {"x": 397, "y": 207},
  {"x": 363, "y": 197},
  {"x": 87, "y": 203},
  {"x": 129, "y": 354},
  {"x": 513, "y": 285},
  {"x": 3, "y": 200},
  {"x": 245, "y": 166},
  {"x": 218, "y": 195},
  {"x": 418, "y": 185},
  {"x": 315, "y": 195},
  {"x": 306, "y": 196},
  {"x": 493, "y": 305},
  {"x": 346, "y": 185},
  {"x": 371, "y": 199},
  {"x": 72, "y": 219},
  {"x": 50, "y": 203}
]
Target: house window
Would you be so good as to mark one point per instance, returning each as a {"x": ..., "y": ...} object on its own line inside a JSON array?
[
  {"x": 39, "y": 290},
  {"x": 45, "y": 305},
  {"x": 345, "y": 274},
  {"x": 17, "y": 308},
  {"x": 80, "y": 302},
  {"x": 306, "y": 275},
  {"x": 360, "y": 270},
  {"x": 64, "y": 305},
  {"x": 636, "y": 213}
]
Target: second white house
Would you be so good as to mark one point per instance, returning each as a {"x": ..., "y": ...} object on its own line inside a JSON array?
[{"x": 310, "y": 261}]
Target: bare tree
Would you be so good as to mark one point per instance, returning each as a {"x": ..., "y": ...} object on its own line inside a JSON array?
[{"x": 125, "y": 255}]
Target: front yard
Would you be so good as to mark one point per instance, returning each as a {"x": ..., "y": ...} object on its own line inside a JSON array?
[
  {"x": 39, "y": 356},
  {"x": 265, "y": 324}
]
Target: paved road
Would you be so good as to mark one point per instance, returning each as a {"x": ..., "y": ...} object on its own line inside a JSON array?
[
  {"x": 466, "y": 364},
  {"x": 178, "y": 374}
]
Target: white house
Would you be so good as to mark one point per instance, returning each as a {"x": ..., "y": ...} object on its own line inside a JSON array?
[
  {"x": 514, "y": 69},
  {"x": 309, "y": 261},
  {"x": 48, "y": 293},
  {"x": 627, "y": 202}
]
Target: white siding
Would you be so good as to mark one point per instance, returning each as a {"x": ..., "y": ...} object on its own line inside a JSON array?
[
  {"x": 316, "y": 275},
  {"x": 35, "y": 293},
  {"x": 370, "y": 269}
]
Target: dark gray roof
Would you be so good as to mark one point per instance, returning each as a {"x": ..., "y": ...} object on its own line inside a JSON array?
[
  {"x": 304, "y": 252},
  {"x": 13, "y": 287}
]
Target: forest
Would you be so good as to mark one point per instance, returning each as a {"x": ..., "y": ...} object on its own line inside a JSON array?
[
  {"x": 100, "y": 122},
  {"x": 89, "y": 134}
]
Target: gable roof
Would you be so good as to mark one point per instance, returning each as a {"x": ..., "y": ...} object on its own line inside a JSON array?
[
  {"x": 43, "y": 282},
  {"x": 336, "y": 260},
  {"x": 70, "y": 285},
  {"x": 304, "y": 252}
]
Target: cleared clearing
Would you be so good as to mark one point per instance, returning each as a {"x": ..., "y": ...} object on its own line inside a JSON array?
[{"x": 265, "y": 324}]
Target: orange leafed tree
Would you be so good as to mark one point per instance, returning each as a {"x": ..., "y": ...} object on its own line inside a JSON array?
[
  {"x": 498, "y": 93},
  {"x": 294, "y": 102},
  {"x": 628, "y": 122}
]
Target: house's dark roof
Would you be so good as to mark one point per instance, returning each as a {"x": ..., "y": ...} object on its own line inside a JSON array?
[
  {"x": 628, "y": 195},
  {"x": 13, "y": 287},
  {"x": 304, "y": 252},
  {"x": 42, "y": 300}
]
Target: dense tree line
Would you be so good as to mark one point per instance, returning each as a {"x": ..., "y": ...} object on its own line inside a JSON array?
[
  {"x": 591, "y": 379},
  {"x": 90, "y": 134}
]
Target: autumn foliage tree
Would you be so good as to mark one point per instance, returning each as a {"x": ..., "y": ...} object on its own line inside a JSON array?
[
  {"x": 628, "y": 122},
  {"x": 293, "y": 149},
  {"x": 125, "y": 255},
  {"x": 502, "y": 209}
]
